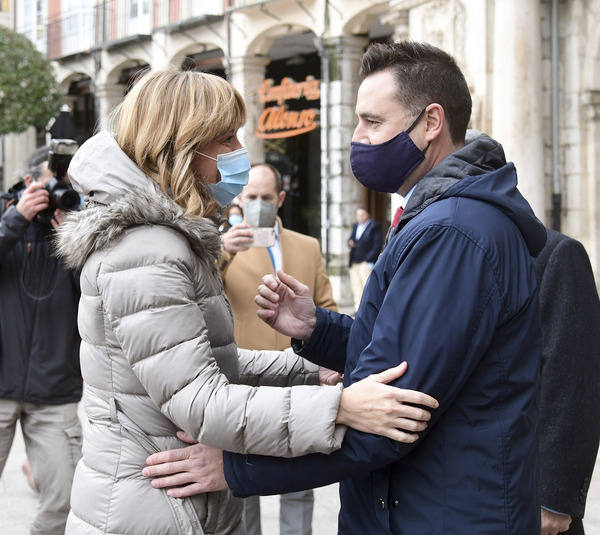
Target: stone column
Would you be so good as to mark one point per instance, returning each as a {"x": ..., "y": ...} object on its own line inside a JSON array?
[
  {"x": 246, "y": 74},
  {"x": 160, "y": 51},
  {"x": 107, "y": 96},
  {"x": 340, "y": 192},
  {"x": 15, "y": 151},
  {"x": 517, "y": 116},
  {"x": 591, "y": 103},
  {"x": 397, "y": 16}
]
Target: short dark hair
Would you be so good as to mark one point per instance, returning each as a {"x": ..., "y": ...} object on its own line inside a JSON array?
[
  {"x": 424, "y": 74},
  {"x": 37, "y": 159},
  {"x": 276, "y": 174}
]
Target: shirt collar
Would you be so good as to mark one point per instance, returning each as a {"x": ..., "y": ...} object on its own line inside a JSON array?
[{"x": 407, "y": 196}]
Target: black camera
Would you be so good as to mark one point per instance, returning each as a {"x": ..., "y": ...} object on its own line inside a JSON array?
[{"x": 62, "y": 195}]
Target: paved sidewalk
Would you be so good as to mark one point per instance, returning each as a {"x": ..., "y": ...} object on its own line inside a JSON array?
[{"x": 18, "y": 502}]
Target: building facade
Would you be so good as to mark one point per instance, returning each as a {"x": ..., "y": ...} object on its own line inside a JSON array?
[{"x": 532, "y": 66}]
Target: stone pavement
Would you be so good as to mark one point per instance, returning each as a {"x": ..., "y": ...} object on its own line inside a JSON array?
[{"x": 18, "y": 502}]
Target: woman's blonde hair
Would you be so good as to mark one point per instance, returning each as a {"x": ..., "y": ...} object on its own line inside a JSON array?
[{"x": 168, "y": 115}]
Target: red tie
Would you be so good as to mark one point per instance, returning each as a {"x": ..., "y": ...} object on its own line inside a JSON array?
[{"x": 397, "y": 216}]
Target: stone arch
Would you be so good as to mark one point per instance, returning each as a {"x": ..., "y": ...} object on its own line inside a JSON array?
[
  {"x": 66, "y": 82},
  {"x": 359, "y": 21},
  {"x": 176, "y": 58},
  {"x": 110, "y": 88},
  {"x": 113, "y": 75},
  {"x": 261, "y": 43},
  {"x": 77, "y": 92}
]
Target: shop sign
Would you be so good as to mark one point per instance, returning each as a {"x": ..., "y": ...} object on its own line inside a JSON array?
[{"x": 278, "y": 121}]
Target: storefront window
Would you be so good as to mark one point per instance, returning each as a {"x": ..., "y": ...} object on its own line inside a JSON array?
[
  {"x": 294, "y": 114},
  {"x": 83, "y": 112}
]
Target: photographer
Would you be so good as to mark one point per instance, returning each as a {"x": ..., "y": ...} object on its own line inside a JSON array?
[{"x": 40, "y": 379}]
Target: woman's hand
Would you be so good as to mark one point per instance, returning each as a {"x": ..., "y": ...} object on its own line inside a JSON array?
[
  {"x": 329, "y": 377},
  {"x": 374, "y": 407}
]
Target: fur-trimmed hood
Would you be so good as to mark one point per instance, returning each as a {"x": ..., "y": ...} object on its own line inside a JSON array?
[
  {"x": 98, "y": 226},
  {"x": 123, "y": 197}
]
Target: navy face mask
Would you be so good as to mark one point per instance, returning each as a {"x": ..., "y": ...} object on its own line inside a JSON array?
[{"x": 384, "y": 167}]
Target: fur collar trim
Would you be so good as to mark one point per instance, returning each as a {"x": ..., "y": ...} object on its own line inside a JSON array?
[{"x": 98, "y": 226}]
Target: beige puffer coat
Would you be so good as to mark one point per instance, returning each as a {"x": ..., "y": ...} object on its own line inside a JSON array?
[{"x": 158, "y": 355}]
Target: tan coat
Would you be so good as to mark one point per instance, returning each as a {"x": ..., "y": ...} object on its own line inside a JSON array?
[{"x": 242, "y": 273}]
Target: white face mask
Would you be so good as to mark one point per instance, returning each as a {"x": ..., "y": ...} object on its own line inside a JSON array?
[{"x": 259, "y": 213}]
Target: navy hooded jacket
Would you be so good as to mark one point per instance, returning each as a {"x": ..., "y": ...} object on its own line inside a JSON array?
[{"x": 454, "y": 294}]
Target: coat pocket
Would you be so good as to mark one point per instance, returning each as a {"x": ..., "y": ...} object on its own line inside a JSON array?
[{"x": 182, "y": 509}]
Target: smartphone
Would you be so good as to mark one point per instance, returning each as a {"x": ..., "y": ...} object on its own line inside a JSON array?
[{"x": 263, "y": 237}]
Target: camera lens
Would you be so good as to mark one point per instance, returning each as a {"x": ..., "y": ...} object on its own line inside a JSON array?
[{"x": 67, "y": 199}]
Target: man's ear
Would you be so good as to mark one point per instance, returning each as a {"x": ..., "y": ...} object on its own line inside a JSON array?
[
  {"x": 281, "y": 198},
  {"x": 28, "y": 180},
  {"x": 435, "y": 119}
]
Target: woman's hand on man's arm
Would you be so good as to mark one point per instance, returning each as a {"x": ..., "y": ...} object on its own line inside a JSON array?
[{"x": 372, "y": 406}]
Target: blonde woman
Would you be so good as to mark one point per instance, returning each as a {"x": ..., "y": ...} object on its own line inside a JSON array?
[{"x": 158, "y": 352}]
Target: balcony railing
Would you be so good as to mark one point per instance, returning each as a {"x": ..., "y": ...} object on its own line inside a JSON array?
[{"x": 98, "y": 23}]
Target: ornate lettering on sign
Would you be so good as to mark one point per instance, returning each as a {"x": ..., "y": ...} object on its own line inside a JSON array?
[
  {"x": 285, "y": 123},
  {"x": 278, "y": 121},
  {"x": 309, "y": 89}
]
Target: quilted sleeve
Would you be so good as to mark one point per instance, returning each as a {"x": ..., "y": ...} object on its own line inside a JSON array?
[{"x": 149, "y": 300}]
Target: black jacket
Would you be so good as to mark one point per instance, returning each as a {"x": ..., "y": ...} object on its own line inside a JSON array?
[
  {"x": 39, "y": 349},
  {"x": 366, "y": 249},
  {"x": 570, "y": 383}
]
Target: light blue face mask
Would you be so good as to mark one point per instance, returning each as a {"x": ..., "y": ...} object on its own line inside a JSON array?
[
  {"x": 234, "y": 219},
  {"x": 234, "y": 168}
]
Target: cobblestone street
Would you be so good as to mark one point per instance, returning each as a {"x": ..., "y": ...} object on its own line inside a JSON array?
[{"x": 18, "y": 502}]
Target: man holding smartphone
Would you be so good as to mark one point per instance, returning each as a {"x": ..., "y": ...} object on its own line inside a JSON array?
[{"x": 252, "y": 249}]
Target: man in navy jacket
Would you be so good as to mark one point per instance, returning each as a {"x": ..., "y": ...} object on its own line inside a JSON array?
[
  {"x": 454, "y": 293},
  {"x": 365, "y": 244}
]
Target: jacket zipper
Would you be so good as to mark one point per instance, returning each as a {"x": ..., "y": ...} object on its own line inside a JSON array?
[{"x": 29, "y": 329}]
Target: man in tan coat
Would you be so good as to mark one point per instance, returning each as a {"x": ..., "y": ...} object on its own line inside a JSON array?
[{"x": 242, "y": 268}]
